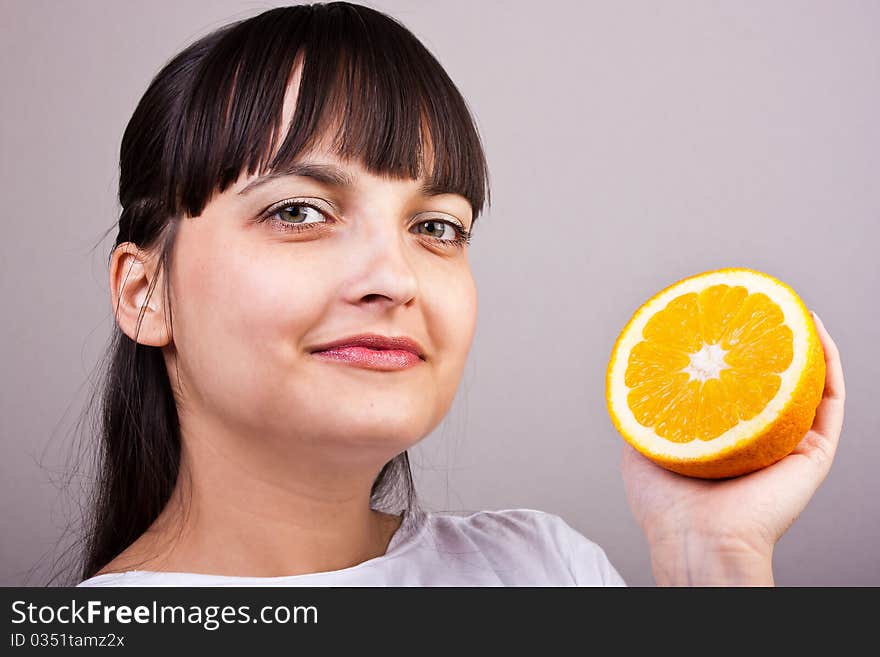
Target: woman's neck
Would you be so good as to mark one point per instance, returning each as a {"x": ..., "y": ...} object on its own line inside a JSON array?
[{"x": 242, "y": 515}]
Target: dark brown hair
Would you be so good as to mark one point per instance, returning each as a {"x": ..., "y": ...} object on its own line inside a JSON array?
[{"x": 213, "y": 112}]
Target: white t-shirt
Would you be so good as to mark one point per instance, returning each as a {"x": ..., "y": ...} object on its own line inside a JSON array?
[{"x": 508, "y": 547}]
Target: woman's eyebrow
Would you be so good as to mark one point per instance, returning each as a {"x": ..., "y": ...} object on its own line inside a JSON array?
[{"x": 329, "y": 174}]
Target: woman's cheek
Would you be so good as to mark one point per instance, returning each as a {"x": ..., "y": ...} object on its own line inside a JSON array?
[
  {"x": 272, "y": 303},
  {"x": 462, "y": 311},
  {"x": 453, "y": 316}
]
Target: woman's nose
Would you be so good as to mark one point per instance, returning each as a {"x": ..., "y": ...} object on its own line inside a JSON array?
[{"x": 382, "y": 265}]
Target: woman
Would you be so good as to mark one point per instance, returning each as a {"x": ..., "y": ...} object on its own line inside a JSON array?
[{"x": 297, "y": 188}]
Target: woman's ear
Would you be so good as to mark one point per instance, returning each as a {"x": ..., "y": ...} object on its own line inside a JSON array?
[{"x": 131, "y": 276}]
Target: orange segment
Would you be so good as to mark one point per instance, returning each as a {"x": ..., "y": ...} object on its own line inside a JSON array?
[
  {"x": 718, "y": 305},
  {"x": 677, "y": 325},
  {"x": 717, "y": 411}
]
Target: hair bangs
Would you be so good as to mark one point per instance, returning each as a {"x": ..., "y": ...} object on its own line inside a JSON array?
[{"x": 368, "y": 90}]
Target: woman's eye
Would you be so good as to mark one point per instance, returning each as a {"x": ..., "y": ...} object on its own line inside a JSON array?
[
  {"x": 294, "y": 216},
  {"x": 444, "y": 231},
  {"x": 437, "y": 228},
  {"x": 293, "y": 213}
]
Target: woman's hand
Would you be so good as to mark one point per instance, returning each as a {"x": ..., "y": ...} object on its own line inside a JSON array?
[{"x": 705, "y": 532}]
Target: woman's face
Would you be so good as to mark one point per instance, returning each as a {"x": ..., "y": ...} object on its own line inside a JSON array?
[{"x": 251, "y": 299}]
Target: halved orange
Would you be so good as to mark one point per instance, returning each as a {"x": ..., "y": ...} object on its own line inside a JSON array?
[{"x": 717, "y": 375}]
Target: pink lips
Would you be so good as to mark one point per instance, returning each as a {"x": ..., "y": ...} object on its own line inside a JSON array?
[
  {"x": 373, "y": 359},
  {"x": 373, "y": 351}
]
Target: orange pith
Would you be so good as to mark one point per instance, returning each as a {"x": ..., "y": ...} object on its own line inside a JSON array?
[{"x": 699, "y": 388}]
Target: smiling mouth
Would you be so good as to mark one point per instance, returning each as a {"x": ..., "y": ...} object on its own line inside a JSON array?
[{"x": 385, "y": 360}]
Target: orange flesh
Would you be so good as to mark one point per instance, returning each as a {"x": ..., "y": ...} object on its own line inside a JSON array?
[{"x": 707, "y": 362}]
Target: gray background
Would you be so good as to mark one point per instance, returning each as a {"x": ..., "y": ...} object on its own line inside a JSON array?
[{"x": 630, "y": 143}]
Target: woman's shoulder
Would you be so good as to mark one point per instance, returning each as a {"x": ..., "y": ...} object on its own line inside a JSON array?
[
  {"x": 517, "y": 534},
  {"x": 523, "y": 524},
  {"x": 496, "y": 522}
]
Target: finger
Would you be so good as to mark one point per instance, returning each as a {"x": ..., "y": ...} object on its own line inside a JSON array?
[
  {"x": 834, "y": 384},
  {"x": 829, "y": 415}
]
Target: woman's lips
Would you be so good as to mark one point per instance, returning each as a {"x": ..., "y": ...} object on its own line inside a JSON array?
[{"x": 373, "y": 359}]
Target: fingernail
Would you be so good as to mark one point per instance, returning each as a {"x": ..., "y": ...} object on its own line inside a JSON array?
[{"x": 816, "y": 316}]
